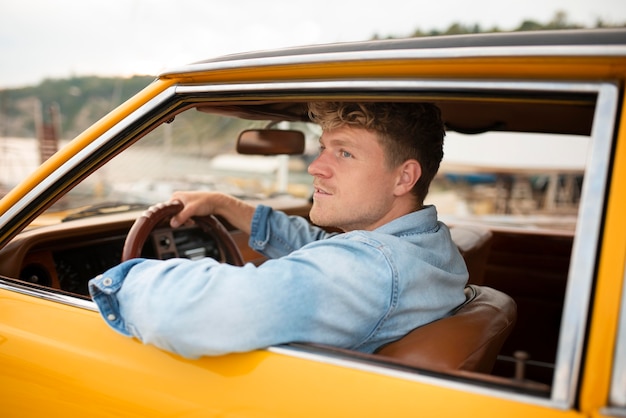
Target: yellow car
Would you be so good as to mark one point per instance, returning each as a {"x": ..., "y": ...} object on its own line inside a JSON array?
[{"x": 532, "y": 184}]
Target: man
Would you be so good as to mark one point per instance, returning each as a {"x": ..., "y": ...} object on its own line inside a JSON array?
[{"x": 394, "y": 268}]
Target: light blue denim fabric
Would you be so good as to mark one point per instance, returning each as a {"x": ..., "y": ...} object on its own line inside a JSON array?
[{"x": 357, "y": 290}]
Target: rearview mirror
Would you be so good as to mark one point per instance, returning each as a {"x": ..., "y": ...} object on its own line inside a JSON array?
[{"x": 270, "y": 142}]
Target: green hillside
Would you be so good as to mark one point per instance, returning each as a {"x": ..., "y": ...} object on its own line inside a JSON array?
[{"x": 80, "y": 100}]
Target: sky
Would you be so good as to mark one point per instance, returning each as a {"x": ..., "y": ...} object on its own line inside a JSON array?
[{"x": 42, "y": 39}]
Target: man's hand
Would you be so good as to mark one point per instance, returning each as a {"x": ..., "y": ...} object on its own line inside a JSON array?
[{"x": 201, "y": 203}]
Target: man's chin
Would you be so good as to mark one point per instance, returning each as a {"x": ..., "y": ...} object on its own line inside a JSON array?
[
  {"x": 324, "y": 223},
  {"x": 317, "y": 218}
]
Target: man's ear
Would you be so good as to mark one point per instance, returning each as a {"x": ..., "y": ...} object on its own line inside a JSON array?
[{"x": 409, "y": 173}]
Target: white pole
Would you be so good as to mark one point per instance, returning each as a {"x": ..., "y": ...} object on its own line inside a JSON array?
[{"x": 282, "y": 174}]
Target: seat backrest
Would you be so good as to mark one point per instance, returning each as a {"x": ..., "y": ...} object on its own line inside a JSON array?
[
  {"x": 474, "y": 243},
  {"x": 469, "y": 339}
]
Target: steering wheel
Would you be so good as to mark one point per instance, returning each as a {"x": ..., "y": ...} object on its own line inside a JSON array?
[{"x": 158, "y": 213}]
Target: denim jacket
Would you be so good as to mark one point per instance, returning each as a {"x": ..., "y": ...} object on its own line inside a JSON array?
[{"x": 356, "y": 290}]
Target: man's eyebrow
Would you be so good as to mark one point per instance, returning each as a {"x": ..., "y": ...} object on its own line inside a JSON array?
[{"x": 337, "y": 142}]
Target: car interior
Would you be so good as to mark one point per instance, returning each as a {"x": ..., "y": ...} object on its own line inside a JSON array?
[{"x": 506, "y": 333}]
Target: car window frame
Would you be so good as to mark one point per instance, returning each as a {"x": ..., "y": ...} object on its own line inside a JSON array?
[
  {"x": 583, "y": 260},
  {"x": 591, "y": 210},
  {"x": 587, "y": 238}
]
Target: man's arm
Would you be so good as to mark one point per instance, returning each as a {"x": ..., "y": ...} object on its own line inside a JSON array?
[
  {"x": 276, "y": 234},
  {"x": 194, "y": 308},
  {"x": 272, "y": 233}
]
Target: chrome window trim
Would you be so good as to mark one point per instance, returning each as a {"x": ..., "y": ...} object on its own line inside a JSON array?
[
  {"x": 409, "y": 85},
  {"x": 231, "y": 63},
  {"x": 584, "y": 250},
  {"x": 617, "y": 394},
  {"x": 48, "y": 295},
  {"x": 83, "y": 154}
]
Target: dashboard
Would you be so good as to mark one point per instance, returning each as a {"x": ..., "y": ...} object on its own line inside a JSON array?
[
  {"x": 75, "y": 266},
  {"x": 66, "y": 256}
]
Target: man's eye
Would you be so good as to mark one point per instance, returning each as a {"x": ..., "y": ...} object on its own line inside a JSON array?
[{"x": 345, "y": 154}]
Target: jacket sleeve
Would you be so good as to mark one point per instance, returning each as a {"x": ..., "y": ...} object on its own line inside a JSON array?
[
  {"x": 324, "y": 293},
  {"x": 275, "y": 234}
]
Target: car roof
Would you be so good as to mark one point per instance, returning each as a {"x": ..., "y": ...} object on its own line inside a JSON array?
[
  {"x": 577, "y": 37},
  {"x": 489, "y": 115}
]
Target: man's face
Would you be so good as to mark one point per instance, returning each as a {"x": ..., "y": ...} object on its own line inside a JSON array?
[{"x": 353, "y": 186}]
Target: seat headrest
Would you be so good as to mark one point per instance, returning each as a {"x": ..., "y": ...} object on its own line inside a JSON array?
[
  {"x": 469, "y": 339},
  {"x": 474, "y": 243},
  {"x": 470, "y": 237}
]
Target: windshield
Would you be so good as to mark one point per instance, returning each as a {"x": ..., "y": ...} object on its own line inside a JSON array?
[{"x": 195, "y": 151}]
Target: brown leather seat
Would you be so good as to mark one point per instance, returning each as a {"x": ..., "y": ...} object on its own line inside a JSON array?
[
  {"x": 469, "y": 339},
  {"x": 474, "y": 243}
]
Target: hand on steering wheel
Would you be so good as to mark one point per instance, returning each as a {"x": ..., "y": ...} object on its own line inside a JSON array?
[{"x": 153, "y": 216}]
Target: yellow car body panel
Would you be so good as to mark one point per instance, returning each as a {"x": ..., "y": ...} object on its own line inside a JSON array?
[
  {"x": 130, "y": 377},
  {"x": 514, "y": 68}
]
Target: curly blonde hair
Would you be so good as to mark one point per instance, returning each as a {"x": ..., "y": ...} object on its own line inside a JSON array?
[{"x": 405, "y": 130}]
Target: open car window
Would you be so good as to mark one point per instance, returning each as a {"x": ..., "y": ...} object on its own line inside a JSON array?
[{"x": 517, "y": 179}]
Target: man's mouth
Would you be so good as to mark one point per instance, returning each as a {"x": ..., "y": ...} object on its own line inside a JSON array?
[{"x": 319, "y": 191}]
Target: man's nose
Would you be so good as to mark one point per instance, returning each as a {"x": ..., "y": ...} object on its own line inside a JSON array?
[{"x": 318, "y": 167}]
